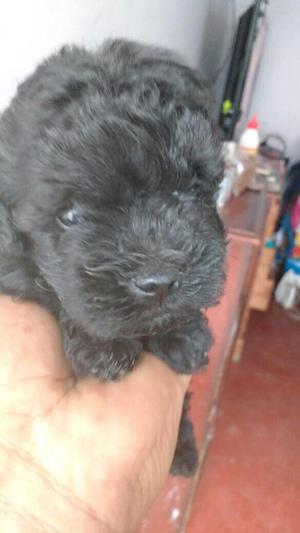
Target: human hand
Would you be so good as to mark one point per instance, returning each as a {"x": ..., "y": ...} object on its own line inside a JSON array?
[{"x": 78, "y": 454}]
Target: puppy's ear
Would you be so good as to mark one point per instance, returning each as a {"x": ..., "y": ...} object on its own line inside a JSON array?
[
  {"x": 17, "y": 273},
  {"x": 9, "y": 243},
  {"x": 71, "y": 91}
]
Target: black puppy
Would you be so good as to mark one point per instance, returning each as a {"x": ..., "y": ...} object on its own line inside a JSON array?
[{"x": 109, "y": 166}]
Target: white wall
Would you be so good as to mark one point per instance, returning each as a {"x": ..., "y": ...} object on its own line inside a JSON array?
[
  {"x": 277, "y": 94},
  {"x": 201, "y": 30},
  {"x": 276, "y": 97},
  {"x": 31, "y": 29}
]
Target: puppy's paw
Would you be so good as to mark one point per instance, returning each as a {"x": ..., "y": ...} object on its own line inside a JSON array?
[
  {"x": 122, "y": 355},
  {"x": 106, "y": 360},
  {"x": 185, "y": 349}
]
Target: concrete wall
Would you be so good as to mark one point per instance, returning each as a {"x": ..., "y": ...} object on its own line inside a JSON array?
[
  {"x": 31, "y": 29},
  {"x": 201, "y": 30},
  {"x": 277, "y": 94}
]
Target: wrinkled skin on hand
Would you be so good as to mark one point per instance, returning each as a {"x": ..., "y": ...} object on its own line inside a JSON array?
[{"x": 78, "y": 451}]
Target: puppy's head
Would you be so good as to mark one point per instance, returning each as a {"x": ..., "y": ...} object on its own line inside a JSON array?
[{"x": 121, "y": 213}]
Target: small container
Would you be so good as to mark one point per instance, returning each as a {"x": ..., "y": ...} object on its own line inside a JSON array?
[
  {"x": 249, "y": 140},
  {"x": 247, "y": 155}
]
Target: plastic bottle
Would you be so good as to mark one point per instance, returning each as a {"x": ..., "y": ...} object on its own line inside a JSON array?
[
  {"x": 249, "y": 140},
  {"x": 247, "y": 151}
]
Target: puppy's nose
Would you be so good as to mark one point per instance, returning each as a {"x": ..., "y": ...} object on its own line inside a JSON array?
[{"x": 157, "y": 285}]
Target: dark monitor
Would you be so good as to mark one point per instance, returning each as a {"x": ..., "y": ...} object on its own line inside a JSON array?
[{"x": 240, "y": 59}]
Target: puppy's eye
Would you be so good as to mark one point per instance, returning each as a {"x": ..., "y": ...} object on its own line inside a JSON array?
[
  {"x": 195, "y": 184},
  {"x": 68, "y": 217}
]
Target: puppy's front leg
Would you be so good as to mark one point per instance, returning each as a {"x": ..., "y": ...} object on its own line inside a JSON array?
[
  {"x": 185, "y": 460},
  {"x": 104, "y": 359},
  {"x": 185, "y": 348}
]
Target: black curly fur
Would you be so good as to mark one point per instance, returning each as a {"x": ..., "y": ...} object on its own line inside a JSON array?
[{"x": 109, "y": 164}]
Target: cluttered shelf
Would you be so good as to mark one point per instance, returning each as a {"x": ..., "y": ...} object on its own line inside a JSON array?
[{"x": 249, "y": 219}]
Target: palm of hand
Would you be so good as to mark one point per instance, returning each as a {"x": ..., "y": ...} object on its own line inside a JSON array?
[{"x": 95, "y": 451}]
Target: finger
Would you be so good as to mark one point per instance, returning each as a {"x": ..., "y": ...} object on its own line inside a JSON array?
[
  {"x": 155, "y": 367},
  {"x": 140, "y": 414},
  {"x": 141, "y": 399},
  {"x": 31, "y": 344}
]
